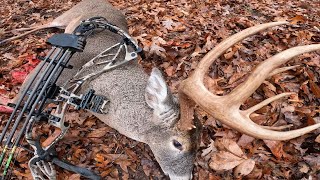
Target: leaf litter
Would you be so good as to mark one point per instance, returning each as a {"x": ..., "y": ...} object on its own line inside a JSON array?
[{"x": 176, "y": 35}]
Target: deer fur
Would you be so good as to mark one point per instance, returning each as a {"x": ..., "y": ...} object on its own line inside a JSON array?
[{"x": 141, "y": 106}]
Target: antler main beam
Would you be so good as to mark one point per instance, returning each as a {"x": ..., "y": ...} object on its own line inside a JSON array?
[{"x": 226, "y": 108}]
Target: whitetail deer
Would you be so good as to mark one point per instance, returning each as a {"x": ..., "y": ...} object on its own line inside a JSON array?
[{"x": 142, "y": 107}]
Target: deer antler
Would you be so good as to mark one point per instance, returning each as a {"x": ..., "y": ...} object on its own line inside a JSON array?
[{"x": 227, "y": 108}]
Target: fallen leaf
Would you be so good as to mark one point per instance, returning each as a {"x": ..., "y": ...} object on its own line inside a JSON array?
[
  {"x": 276, "y": 147},
  {"x": 317, "y": 139},
  {"x": 74, "y": 177},
  {"x": 229, "y": 145},
  {"x": 19, "y": 76},
  {"x": 168, "y": 23},
  {"x": 8, "y": 56},
  {"x": 224, "y": 161},
  {"x": 270, "y": 86},
  {"x": 107, "y": 172},
  {"x": 303, "y": 167},
  {"x": 170, "y": 71},
  {"x": 196, "y": 52},
  {"x": 147, "y": 166},
  {"x": 315, "y": 89},
  {"x": 20, "y": 174},
  {"x": 230, "y": 52},
  {"x": 6, "y": 109},
  {"x": 244, "y": 168},
  {"x": 77, "y": 117},
  {"x": 22, "y": 156},
  {"x": 124, "y": 164},
  {"x": 212, "y": 85},
  {"x": 209, "y": 149},
  {"x": 97, "y": 133},
  {"x": 156, "y": 49},
  {"x": 245, "y": 140},
  {"x": 4, "y": 100},
  {"x": 297, "y": 19},
  {"x": 313, "y": 160},
  {"x": 209, "y": 44},
  {"x": 91, "y": 121},
  {"x": 99, "y": 158}
]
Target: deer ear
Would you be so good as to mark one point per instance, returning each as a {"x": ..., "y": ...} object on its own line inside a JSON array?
[{"x": 157, "y": 94}]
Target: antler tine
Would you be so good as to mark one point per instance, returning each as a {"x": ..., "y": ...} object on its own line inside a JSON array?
[
  {"x": 226, "y": 108},
  {"x": 263, "y": 70},
  {"x": 283, "y": 69},
  {"x": 264, "y": 103}
]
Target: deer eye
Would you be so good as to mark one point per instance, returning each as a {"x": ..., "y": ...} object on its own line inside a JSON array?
[{"x": 177, "y": 145}]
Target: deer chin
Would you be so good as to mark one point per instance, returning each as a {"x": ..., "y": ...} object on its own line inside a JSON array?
[
  {"x": 173, "y": 176},
  {"x": 186, "y": 177}
]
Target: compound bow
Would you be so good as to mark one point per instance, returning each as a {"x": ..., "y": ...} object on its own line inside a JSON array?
[{"x": 42, "y": 92}]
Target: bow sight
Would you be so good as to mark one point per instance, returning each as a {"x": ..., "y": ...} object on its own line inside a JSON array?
[{"x": 42, "y": 99}]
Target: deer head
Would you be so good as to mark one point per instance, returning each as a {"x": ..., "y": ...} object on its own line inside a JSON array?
[{"x": 173, "y": 149}]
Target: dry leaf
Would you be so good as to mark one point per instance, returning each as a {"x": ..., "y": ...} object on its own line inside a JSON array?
[
  {"x": 20, "y": 174},
  {"x": 74, "y": 177},
  {"x": 212, "y": 85},
  {"x": 90, "y": 122},
  {"x": 297, "y": 19},
  {"x": 230, "y": 52},
  {"x": 6, "y": 109},
  {"x": 304, "y": 168},
  {"x": 168, "y": 23},
  {"x": 99, "y": 158},
  {"x": 224, "y": 161},
  {"x": 107, "y": 172},
  {"x": 231, "y": 146},
  {"x": 156, "y": 49},
  {"x": 170, "y": 71},
  {"x": 4, "y": 100},
  {"x": 209, "y": 149},
  {"x": 313, "y": 160},
  {"x": 124, "y": 164},
  {"x": 8, "y": 56},
  {"x": 244, "y": 168},
  {"x": 196, "y": 52},
  {"x": 19, "y": 76},
  {"x": 97, "y": 133},
  {"x": 276, "y": 147},
  {"x": 317, "y": 139},
  {"x": 315, "y": 89},
  {"x": 245, "y": 140}
]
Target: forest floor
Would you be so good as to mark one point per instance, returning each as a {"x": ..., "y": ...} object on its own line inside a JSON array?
[{"x": 175, "y": 36}]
